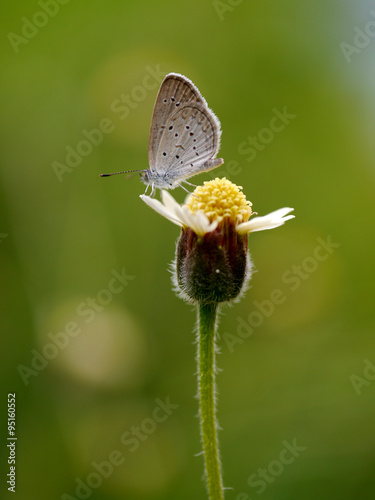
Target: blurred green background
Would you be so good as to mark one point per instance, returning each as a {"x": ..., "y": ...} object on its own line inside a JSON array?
[{"x": 302, "y": 376}]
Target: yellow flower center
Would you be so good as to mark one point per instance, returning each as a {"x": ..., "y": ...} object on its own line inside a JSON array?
[{"x": 220, "y": 198}]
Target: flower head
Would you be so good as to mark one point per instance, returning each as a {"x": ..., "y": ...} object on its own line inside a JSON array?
[
  {"x": 220, "y": 199},
  {"x": 212, "y": 262},
  {"x": 213, "y": 202}
]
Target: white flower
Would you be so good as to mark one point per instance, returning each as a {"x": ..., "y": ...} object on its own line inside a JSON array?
[
  {"x": 210, "y": 204},
  {"x": 212, "y": 260}
]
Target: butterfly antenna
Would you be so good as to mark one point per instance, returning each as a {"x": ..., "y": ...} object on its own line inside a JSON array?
[{"x": 124, "y": 172}]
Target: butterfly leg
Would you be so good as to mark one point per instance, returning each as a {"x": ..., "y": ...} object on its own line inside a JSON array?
[
  {"x": 190, "y": 184},
  {"x": 184, "y": 188}
]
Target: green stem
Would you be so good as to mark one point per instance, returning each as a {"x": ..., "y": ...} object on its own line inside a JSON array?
[{"x": 206, "y": 382}]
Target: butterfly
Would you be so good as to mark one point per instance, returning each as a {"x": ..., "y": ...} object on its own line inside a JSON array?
[{"x": 184, "y": 136}]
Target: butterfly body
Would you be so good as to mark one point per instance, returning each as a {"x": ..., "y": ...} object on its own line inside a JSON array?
[{"x": 168, "y": 180}]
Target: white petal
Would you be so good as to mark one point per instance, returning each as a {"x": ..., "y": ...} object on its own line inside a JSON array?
[
  {"x": 270, "y": 221},
  {"x": 201, "y": 225},
  {"x": 183, "y": 215},
  {"x": 280, "y": 213},
  {"x": 180, "y": 215},
  {"x": 161, "y": 209},
  {"x": 168, "y": 200}
]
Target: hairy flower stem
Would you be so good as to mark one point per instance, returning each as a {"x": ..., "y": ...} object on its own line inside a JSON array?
[{"x": 206, "y": 382}]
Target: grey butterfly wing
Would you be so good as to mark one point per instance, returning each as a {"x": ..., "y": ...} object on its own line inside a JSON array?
[
  {"x": 189, "y": 143},
  {"x": 175, "y": 92}
]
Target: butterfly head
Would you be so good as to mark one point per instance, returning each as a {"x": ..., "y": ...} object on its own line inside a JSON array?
[{"x": 145, "y": 177}]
